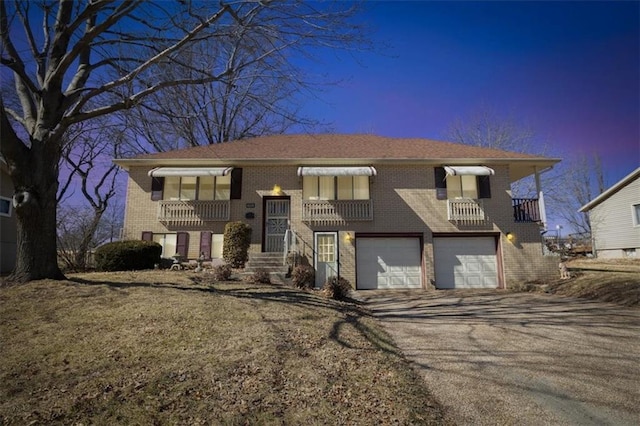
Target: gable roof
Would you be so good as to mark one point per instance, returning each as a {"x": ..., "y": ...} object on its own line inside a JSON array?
[
  {"x": 609, "y": 192},
  {"x": 338, "y": 149}
]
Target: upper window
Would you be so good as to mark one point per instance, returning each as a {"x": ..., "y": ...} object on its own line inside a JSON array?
[
  {"x": 461, "y": 186},
  {"x": 5, "y": 206},
  {"x": 335, "y": 187},
  {"x": 636, "y": 214},
  {"x": 197, "y": 188}
]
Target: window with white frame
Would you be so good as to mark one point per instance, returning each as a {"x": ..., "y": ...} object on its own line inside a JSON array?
[
  {"x": 169, "y": 243},
  {"x": 636, "y": 214},
  {"x": 5, "y": 206},
  {"x": 465, "y": 186},
  {"x": 335, "y": 187},
  {"x": 197, "y": 188}
]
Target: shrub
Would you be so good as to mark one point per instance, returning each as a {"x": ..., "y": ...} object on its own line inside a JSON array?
[
  {"x": 336, "y": 287},
  {"x": 127, "y": 255},
  {"x": 303, "y": 276},
  {"x": 221, "y": 272},
  {"x": 261, "y": 276},
  {"x": 166, "y": 263},
  {"x": 237, "y": 238}
]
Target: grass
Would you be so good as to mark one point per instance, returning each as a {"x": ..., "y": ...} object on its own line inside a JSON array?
[
  {"x": 613, "y": 281},
  {"x": 176, "y": 348},
  {"x": 622, "y": 288}
]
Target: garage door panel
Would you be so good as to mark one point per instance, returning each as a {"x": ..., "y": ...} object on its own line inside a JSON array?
[
  {"x": 465, "y": 262},
  {"x": 388, "y": 263}
]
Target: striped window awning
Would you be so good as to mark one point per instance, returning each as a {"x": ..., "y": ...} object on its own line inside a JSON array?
[
  {"x": 337, "y": 171},
  {"x": 469, "y": 170},
  {"x": 190, "y": 171}
]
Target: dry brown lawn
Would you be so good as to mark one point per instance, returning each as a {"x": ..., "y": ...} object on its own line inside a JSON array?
[
  {"x": 176, "y": 348},
  {"x": 615, "y": 281}
]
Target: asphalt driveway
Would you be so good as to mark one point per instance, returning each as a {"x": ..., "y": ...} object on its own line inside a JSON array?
[{"x": 494, "y": 357}]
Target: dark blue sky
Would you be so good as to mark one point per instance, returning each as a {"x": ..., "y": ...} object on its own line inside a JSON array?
[{"x": 569, "y": 70}]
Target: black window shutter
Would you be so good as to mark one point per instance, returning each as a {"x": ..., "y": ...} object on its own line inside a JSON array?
[
  {"x": 147, "y": 236},
  {"x": 484, "y": 187},
  {"x": 236, "y": 184},
  {"x": 157, "y": 185},
  {"x": 205, "y": 244},
  {"x": 441, "y": 183},
  {"x": 182, "y": 244}
]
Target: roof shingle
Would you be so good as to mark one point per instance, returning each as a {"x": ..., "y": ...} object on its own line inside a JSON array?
[{"x": 329, "y": 146}]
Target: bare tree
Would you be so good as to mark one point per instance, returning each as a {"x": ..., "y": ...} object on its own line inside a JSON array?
[
  {"x": 86, "y": 59},
  {"x": 250, "y": 101},
  {"x": 88, "y": 158},
  {"x": 75, "y": 223},
  {"x": 489, "y": 129},
  {"x": 582, "y": 180}
]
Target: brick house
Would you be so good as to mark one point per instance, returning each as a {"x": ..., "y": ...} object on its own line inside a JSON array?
[{"x": 381, "y": 212}]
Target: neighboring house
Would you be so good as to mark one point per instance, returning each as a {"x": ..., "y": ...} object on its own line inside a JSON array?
[
  {"x": 615, "y": 219},
  {"x": 381, "y": 212},
  {"x": 8, "y": 222}
]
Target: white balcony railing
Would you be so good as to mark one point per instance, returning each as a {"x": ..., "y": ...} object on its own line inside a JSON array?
[
  {"x": 467, "y": 211},
  {"x": 330, "y": 212},
  {"x": 192, "y": 212}
]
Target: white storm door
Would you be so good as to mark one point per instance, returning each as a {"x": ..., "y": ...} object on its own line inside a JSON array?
[{"x": 326, "y": 256}]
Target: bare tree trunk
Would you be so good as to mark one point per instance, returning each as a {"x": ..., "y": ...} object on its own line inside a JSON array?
[{"x": 35, "y": 206}]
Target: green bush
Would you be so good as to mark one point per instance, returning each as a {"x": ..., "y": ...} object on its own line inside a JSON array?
[
  {"x": 127, "y": 255},
  {"x": 261, "y": 276},
  {"x": 303, "y": 276},
  {"x": 222, "y": 273},
  {"x": 237, "y": 238},
  {"x": 336, "y": 287}
]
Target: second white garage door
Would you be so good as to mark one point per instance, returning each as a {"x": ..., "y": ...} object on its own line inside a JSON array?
[
  {"x": 388, "y": 263},
  {"x": 468, "y": 262}
]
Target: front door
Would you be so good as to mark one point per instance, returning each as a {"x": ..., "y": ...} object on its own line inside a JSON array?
[
  {"x": 276, "y": 223},
  {"x": 326, "y": 256}
]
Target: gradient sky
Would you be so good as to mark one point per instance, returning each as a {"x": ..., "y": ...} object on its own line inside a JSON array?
[{"x": 569, "y": 70}]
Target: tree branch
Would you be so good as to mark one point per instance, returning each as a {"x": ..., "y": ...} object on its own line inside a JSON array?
[{"x": 151, "y": 61}]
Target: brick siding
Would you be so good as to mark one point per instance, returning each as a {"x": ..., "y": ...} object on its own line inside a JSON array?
[{"x": 404, "y": 201}]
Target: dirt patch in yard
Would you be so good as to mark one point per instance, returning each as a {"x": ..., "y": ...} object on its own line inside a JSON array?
[{"x": 612, "y": 280}]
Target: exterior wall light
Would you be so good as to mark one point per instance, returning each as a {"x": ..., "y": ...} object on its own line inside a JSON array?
[
  {"x": 276, "y": 190},
  {"x": 348, "y": 237},
  {"x": 510, "y": 236}
]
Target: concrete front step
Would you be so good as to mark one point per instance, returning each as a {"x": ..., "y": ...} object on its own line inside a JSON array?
[
  {"x": 266, "y": 261},
  {"x": 265, "y": 254},
  {"x": 270, "y": 262}
]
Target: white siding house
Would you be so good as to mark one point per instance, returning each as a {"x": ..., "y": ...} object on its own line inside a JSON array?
[{"x": 615, "y": 219}]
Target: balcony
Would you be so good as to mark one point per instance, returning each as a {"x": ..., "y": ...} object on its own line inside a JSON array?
[
  {"x": 526, "y": 210},
  {"x": 332, "y": 212},
  {"x": 192, "y": 212},
  {"x": 466, "y": 211}
]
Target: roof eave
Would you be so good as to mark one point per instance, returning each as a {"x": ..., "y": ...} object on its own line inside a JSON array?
[
  {"x": 148, "y": 162},
  {"x": 609, "y": 192}
]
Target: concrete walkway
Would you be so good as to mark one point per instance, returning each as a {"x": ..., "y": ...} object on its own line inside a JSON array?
[{"x": 497, "y": 358}]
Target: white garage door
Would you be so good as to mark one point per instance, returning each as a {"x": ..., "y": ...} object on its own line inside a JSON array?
[
  {"x": 388, "y": 263},
  {"x": 468, "y": 262}
]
